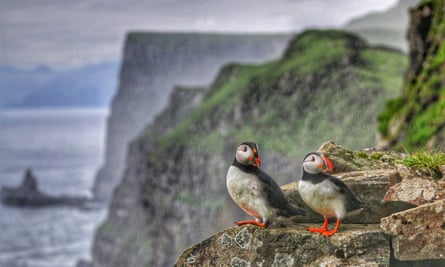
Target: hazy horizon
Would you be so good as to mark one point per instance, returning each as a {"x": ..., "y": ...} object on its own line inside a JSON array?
[{"x": 64, "y": 35}]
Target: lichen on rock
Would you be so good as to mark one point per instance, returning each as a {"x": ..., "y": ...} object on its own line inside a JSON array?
[
  {"x": 291, "y": 246},
  {"x": 390, "y": 221}
]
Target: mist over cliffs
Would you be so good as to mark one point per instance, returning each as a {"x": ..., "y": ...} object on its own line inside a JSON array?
[
  {"x": 152, "y": 64},
  {"x": 327, "y": 84},
  {"x": 387, "y": 28}
]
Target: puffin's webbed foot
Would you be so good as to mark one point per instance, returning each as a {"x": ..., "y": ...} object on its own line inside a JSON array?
[
  {"x": 329, "y": 233},
  {"x": 324, "y": 228},
  {"x": 316, "y": 230},
  {"x": 262, "y": 225}
]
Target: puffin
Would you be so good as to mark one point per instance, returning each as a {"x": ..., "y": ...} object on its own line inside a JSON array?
[
  {"x": 326, "y": 194},
  {"x": 254, "y": 191}
]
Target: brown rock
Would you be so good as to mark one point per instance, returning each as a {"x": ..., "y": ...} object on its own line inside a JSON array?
[
  {"x": 293, "y": 246},
  {"x": 418, "y": 233},
  {"x": 416, "y": 191},
  {"x": 346, "y": 160}
]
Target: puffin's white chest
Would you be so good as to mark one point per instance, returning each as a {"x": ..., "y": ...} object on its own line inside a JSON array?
[
  {"x": 241, "y": 186},
  {"x": 323, "y": 198},
  {"x": 246, "y": 190}
]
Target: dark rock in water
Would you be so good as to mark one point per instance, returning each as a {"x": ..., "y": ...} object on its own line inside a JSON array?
[{"x": 28, "y": 195}]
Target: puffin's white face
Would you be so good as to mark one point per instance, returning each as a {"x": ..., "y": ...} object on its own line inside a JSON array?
[
  {"x": 247, "y": 154},
  {"x": 314, "y": 163}
]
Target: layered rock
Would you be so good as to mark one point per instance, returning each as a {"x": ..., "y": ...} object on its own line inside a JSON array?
[
  {"x": 419, "y": 233},
  {"x": 416, "y": 191}
]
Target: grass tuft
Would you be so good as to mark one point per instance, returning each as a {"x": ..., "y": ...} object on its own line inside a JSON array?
[{"x": 429, "y": 161}]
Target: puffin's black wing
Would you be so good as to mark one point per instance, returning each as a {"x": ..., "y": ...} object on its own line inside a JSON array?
[
  {"x": 275, "y": 196},
  {"x": 352, "y": 202}
]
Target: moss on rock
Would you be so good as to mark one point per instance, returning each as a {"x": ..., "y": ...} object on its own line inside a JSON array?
[{"x": 418, "y": 117}]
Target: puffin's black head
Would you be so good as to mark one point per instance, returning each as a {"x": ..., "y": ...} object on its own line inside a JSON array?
[
  {"x": 315, "y": 162},
  {"x": 247, "y": 154}
]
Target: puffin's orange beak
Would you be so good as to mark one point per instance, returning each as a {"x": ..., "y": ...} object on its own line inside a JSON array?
[
  {"x": 329, "y": 167},
  {"x": 257, "y": 162}
]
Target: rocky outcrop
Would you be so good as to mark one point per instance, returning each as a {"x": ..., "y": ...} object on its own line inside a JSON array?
[
  {"x": 418, "y": 234},
  {"x": 415, "y": 235},
  {"x": 416, "y": 191},
  {"x": 29, "y": 195},
  {"x": 356, "y": 245},
  {"x": 152, "y": 64},
  {"x": 173, "y": 191}
]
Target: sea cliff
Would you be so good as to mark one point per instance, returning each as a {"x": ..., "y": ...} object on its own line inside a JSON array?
[
  {"x": 327, "y": 84},
  {"x": 152, "y": 64}
]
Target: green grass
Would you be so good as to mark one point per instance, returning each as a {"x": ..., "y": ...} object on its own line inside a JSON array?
[
  {"x": 314, "y": 49},
  {"x": 311, "y": 95},
  {"x": 430, "y": 161}
]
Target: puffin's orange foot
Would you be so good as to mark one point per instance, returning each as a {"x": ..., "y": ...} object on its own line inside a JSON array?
[
  {"x": 316, "y": 230},
  {"x": 323, "y": 228},
  {"x": 329, "y": 233},
  {"x": 262, "y": 225}
]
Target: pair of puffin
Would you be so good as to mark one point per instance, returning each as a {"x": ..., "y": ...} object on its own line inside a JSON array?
[{"x": 255, "y": 192}]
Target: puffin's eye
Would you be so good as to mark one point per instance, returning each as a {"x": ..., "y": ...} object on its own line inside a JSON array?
[
  {"x": 312, "y": 158},
  {"x": 245, "y": 149}
]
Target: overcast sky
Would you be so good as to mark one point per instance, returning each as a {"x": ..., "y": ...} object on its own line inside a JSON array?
[{"x": 64, "y": 34}]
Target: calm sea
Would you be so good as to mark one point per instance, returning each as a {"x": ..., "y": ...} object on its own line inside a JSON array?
[{"x": 64, "y": 149}]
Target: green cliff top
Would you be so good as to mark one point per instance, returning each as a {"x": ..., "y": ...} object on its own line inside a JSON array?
[{"x": 328, "y": 85}]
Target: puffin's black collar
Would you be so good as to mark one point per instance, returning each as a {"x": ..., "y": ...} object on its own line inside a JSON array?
[{"x": 245, "y": 168}]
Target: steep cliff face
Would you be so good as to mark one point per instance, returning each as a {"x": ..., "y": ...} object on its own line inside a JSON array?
[
  {"x": 123, "y": 240},
  {"x": 329, "y": 84},
  {"x": 417, "y": 118},
  {"x": 153, "y": 63}
]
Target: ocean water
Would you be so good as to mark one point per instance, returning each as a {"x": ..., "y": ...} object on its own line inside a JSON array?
[{"x": 63, "y": 147}]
